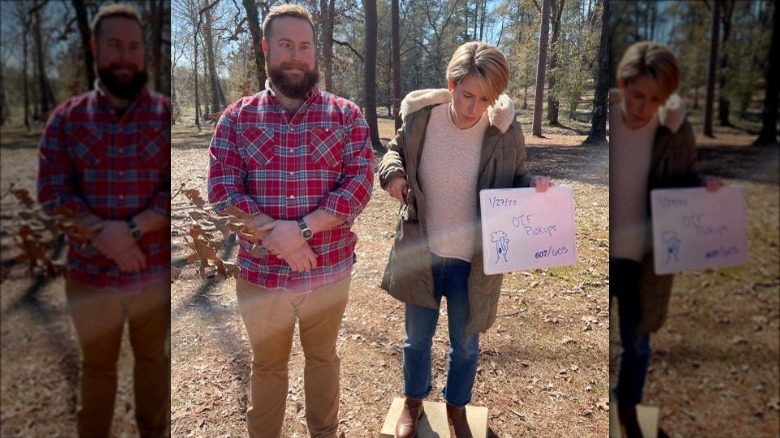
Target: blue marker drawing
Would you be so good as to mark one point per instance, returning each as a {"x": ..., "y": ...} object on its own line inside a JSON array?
[
  {"x": 502, "y": 244},
  {"x": 672, "y": 242}
]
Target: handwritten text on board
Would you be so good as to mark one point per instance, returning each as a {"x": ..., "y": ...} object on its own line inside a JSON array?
[
  {"x": 525, "y": 229},
  {"x": 696, "y": 229}
]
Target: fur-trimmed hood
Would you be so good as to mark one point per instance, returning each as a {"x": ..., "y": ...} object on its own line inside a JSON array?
[
  {"x": 501, "y": 114},
  {"x": 671, "y": 114}
]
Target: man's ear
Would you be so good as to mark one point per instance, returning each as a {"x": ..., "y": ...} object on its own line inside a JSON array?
[
  {"x": 264, "y": 44},
  {"x": 93, "y": 45},
  {"x": 450, "y": 85},
  {"x": 622, "y": 84}
]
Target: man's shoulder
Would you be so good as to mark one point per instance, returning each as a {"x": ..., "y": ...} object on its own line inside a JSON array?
[
  {"x": 253, "y": 103},
  {"x": 159, "y": 99},
  {"x": 334, "y": 102},
  {"x": 80, "y": 102}
]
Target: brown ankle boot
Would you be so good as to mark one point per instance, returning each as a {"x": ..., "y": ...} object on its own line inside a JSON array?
[
  {"x": 459, "y": 424},
  {"x": 407, "y": 422},
  {"x": 629, "y": 421}
]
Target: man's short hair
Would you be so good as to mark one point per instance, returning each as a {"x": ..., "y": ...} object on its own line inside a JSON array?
[
  {"x": 653, "y": 60},
  {"x": 483, "y": 61},
  {"x": 293, "y": 11},
  {"x": 116, "y": 10}
]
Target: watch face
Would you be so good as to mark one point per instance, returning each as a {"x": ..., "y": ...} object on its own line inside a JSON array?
[{"x": 307, "y": 233}]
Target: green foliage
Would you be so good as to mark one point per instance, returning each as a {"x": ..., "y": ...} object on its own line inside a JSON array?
[{"x": 685, "y": 26}]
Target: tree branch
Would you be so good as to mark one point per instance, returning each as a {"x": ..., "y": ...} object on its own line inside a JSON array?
[
  {"x": 207, "y": 7},
  {"x": 349, "y": 46}
]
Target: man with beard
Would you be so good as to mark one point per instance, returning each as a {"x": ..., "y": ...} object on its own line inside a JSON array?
[
  {"x": 105, "y": 165},
  {"x": 299, "y": 161}
]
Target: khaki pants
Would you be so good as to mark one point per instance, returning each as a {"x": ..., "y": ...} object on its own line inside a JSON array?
[
  {"x": 269, "y": 317},
  {"x": 99, "y": 317}
]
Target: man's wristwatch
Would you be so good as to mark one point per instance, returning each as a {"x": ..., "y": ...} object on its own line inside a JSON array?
[
  {"x": 306, "y": 232},
  {"x": 135, "y": 232}
]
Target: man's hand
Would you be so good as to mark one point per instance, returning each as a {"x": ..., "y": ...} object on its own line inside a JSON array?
[
  {"x": 257, "y": 222},
  {"x": 85, "y": 224},
  {"x": 398, "y": 188},
  {"x": 113, "y": 240},
  {"x": 131, "y": 259},
  {"x": 283, "y": 238},
  {"x": 302, "y": 260}
]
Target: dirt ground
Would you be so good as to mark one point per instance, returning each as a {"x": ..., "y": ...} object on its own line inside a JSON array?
[{"x": 544, "y": 366}]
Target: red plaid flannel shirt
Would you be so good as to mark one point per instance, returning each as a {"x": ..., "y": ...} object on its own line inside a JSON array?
[
  {"x": 262, "y": 160},
  {"x": 94, "y": 160}
]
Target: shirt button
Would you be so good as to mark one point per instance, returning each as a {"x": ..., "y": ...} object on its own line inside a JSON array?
[
  {"x": 292, "y": 197},
  {"x": 121, "y": 173},
  {"x": 121, "y": 197}
]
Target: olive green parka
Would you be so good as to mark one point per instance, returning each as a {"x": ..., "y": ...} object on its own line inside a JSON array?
[{"x": 408, "y": 276}]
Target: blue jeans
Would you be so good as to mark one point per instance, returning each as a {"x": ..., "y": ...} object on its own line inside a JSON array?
[
  {"x": 634, "y": 349},
  {"x": 450, "y": 279}
]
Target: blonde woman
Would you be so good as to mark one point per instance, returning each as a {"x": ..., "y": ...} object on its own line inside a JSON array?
[
  {"x": 651, "y": 146},
  {"x": 453, "y": 143}
]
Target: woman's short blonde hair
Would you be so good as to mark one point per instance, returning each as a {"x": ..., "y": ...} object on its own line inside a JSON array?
[
  {"x": 654, "y": 61},
  {"x": 483, "y": 61}
]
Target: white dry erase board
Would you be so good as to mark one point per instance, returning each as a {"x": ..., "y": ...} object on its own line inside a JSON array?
[
  {"x": 526, "y": 229},
  {"x": 696, "y": 229}
]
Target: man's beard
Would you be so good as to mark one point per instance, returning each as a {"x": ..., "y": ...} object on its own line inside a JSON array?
[
  {"x": 286, "y": 86},
  {"x": 126, "y": 90}
]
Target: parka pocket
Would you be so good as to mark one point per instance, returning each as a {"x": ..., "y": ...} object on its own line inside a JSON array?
[{"x": 408, "y": 275}]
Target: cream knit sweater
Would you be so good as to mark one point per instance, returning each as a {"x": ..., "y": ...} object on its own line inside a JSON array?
[{"x": 449, "y": 168}]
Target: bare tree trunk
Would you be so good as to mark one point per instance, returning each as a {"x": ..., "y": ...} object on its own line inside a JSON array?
[
  {"x": 3, "y": 102},
  {"x": 768, "y": 134},
  {"x": 539, "y": 97},
  {"x": 714, "y": 38},
  {"x": 598, "y": 127},
  {"x": 482, "y": 20},
  {"x": 724, "y": 103},
  {"x": 525, "y": 97},
  {"x": 206, "y": 79},
  {"x": 553, "y": 103},
  {"x": 24, "y": 21},
  {"x": 83, "y": 23},
  {"x": 396, "y": 62},
  {"x": 160, "y": 68},
  {"x": 370, "y": 70},
  {"x": 216, "y": 101},
  {"x": 257, "y": 36},
  {"x": 46, "y": 96},
  {"x": 195, "y": 21},
  {"x": 328, "y": 11}
]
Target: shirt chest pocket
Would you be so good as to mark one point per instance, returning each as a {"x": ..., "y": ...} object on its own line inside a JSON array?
[
  {"x": 154, "y": 145},
  {"x": 88, "y": 148},
  {"x": 256, "y": 146},
  {"x": 327, "y": 147}
]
